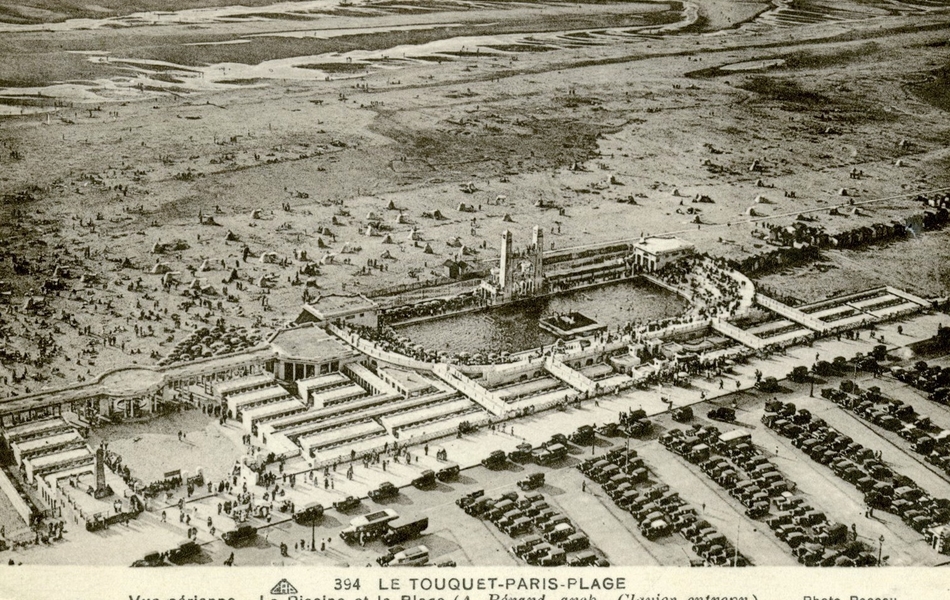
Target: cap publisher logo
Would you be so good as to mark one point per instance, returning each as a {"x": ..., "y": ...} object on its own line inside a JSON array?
[{"x": 283, "y": 588}]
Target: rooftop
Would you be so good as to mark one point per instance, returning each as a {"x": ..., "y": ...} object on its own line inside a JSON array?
[
  {"x": 409, "y": 380},
  {"x": 659, "y": 245},
  {"x": 309, "y": 343},
  {"x": 333, "y": 304}
]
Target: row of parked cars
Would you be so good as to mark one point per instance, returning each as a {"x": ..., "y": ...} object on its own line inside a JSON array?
[
  {"x": 732, "y": 461},
  {"x": 553, "y": 534},
  {"x": 548, "y": 453},
  {"x": 926, "y": 438},
  {"x": 658, "y": 510},
  {"x": 935, "y": 380},
  {"x": 633, "y": 423},
  {"x": 883, "y": 488}
]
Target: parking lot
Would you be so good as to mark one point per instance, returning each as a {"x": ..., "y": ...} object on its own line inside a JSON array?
[
  {"x": 691, "y": 517},
  {"x": 614, "y": 533}
]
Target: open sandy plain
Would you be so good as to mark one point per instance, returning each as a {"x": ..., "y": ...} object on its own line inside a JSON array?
[{"x": 132, "y": 137}]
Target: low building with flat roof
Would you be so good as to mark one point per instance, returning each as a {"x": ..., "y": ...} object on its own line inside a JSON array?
[
  {"x": 653, "y": 253},
  {"x": 307, "y": 351},
  {"x": 349, "y": 309}
]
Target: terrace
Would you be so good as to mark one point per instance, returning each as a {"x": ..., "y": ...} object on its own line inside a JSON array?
[
  {"x": 438, "y": 411},
  {"x": 321, "y": 382},
  {"x": 285, "y": 424},
  {"x": 339, "y": 395},
  {"x": 274, "y": 410},
  {"x": 322, "y": 420},
  {"x": 338, "y": 436},
  {"x": 243, "y": 384},
  {"x": 51, "y": 463},
  {"x": 46, "y": 445},
  {"x": 237, "y": 403},
  {"x": 35, "y": 429}
]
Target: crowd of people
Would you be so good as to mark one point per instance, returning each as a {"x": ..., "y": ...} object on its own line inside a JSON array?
[{"x": 431, "y": 308}]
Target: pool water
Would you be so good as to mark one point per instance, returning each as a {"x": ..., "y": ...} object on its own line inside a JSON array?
[{"x": 514, "y": 327}]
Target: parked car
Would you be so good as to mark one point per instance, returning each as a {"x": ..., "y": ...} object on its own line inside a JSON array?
[
  {"x": 425, "y": 480},
  {"x": 532, "y": 481},
  {"x": 495, "y": 460},
  {"x": 722, "y": 413},
  {"x": 384, "y": 491},
  {"x": 347, "y": 504}
]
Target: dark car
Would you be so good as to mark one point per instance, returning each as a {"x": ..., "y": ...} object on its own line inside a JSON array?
[
  {"x": 683, "y": 414},
  {"x": 241, "y": 533},
  {"x": 722, "y": 413},
  {"x": 448, "y": 473},
  {"x": 385, "y": 490},
  {"x": 531, "y": 482},
  {"x": 495, "y": 460},
  {"x": 425, "y": 480},
  {"x": 521, "y": 454},
  {"x": 584, "y": 435},
  {"x": 308, "y": 513},
  {"x": 347, "y": 504}
]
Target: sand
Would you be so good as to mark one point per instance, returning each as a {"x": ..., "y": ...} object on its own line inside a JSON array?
[{"x": 580, "y": 110}]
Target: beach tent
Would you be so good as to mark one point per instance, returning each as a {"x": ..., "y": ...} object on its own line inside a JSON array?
[{"x": 388, "y": 239}]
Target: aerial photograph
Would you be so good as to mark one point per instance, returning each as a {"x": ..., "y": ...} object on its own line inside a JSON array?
[{"x": 370, "y": 283}]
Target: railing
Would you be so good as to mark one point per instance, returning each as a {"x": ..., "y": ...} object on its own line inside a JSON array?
[
  {"x": 576, "y": 380},
  {"x": 7, "y": 487},
  {"x": 490, "y": 401},
  {"x": 793, "y": 314},
  {"x": 369, "y": 348}
]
